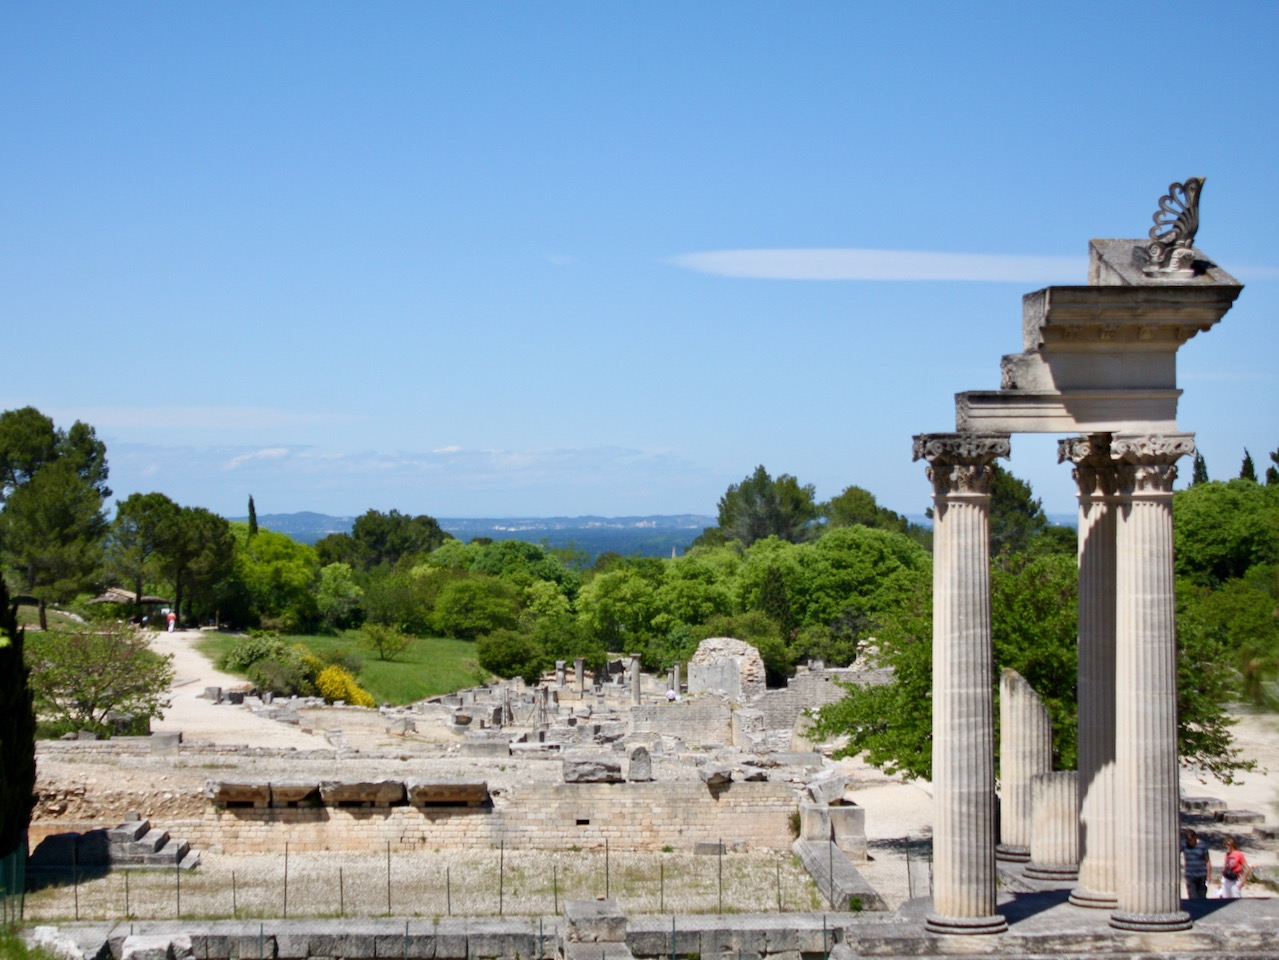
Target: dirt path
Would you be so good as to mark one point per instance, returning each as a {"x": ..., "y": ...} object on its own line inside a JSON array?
[{"x": 200, "y": 719}]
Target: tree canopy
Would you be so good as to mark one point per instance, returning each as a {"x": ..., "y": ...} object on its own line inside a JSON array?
[{"x": 760, "y": 507}]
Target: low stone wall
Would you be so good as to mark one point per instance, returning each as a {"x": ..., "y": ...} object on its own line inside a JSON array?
[
  {"x": 694, "y": 721},
  {"x": 629, "y": 816}
]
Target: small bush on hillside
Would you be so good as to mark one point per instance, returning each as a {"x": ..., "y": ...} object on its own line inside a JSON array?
[
  {"x": 386, "y": 642},
  {"x": 334, "y": 683}
]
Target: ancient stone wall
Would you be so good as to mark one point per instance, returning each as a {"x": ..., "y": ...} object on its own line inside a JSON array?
[
  {"x": 695, "y": 721},
  {"x": 630, "y": 816}
]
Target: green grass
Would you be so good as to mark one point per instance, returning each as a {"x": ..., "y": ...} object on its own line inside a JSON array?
[{"x": 429, "y": 667}]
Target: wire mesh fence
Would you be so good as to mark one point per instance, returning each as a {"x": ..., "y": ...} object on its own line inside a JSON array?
[
  {"x": 13, "y": 884},
  {"x": 496, "y": 882}
]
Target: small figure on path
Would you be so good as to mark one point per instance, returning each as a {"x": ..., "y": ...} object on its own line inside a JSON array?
[
  {"x": 173, "y": 619},
  {"x": 1198, "y": 866},
  {"x": 671, "y": 696},
  {"x": 1234, "y": 872}
]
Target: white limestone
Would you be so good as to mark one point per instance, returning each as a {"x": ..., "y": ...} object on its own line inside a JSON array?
[{"x": 1025, "y": 750}]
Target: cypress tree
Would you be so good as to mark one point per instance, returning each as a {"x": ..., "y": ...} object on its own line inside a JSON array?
[
  {"x": 253, "y": 517},
  {"x": 1200, "y": 474},
  {"x": 1248, "y": 469},
  {"x": 17, "y": 731}
]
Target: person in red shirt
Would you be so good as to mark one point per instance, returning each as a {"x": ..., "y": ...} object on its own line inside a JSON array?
[{"x": 1234, "y": 872}]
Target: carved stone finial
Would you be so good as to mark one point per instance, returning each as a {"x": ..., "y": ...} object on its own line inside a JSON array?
[{"x": 1172, "y": 238}]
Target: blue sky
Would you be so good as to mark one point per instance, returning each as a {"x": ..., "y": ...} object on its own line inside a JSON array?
[{"x": 596, "y": 258}]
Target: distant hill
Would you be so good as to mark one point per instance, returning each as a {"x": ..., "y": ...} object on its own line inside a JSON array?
[{"x": 653, "y": 536}]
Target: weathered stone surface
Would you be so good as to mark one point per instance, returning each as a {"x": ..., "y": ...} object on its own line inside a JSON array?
[
  {"x": 724, "y": 665},
  {"x": 848, "y": 825},
  {"x": 1239, "y": 816},
  {"x": 226, "y": 791},
  {"x": 640, "y": 767},
  {"x": 424, "y": 792},
  {"x": 837, "y": 879},
  {"x": 1202, "y": 804},
  {"x": 373, "y": 792},
  {"x": 814, "y": 822},
  {"x": 715, "y": 774},
  {"x": 291, "y": 793},
  {"x": 827, "y": 787},
  {"x": 594, "y": 921},
  {"x": 161, "y": 947},
  {"x": 485, "y": 748},
  {"x": 591, "y": 770}
]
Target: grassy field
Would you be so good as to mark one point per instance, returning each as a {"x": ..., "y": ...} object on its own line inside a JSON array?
[{"x": 429, "y": 667}]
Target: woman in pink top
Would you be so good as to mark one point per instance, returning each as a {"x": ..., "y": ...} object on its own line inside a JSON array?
[{"x": 1234, "y": 872}]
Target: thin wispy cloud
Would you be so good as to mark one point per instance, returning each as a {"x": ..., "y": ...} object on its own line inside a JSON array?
[
  {"x": 842, "y": 263},
  {"x": 267, "y": 453}
]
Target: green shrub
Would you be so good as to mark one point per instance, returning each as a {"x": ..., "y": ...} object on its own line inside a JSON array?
[
  {"x": 288, "y": 678},
  {"x": 246, "y": 651}
]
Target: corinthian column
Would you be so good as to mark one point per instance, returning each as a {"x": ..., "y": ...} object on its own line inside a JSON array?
[
  {"x": 1097, "y": 476},
  {"x": 1146, "y": 684},
  {"x": 959, "y": 466}
]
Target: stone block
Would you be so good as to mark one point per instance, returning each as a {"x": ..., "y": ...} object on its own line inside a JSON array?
[
  {"x": 212, "y": 693},
  {"x": 485, "y": 748},
  {"x": 1266, "y": 831},
  {"x": 488, "y": 939},
  {"x": 161, "y": 947},
  {"x": 715, "y": 774},
  {"x": 257, "y": 794},
  {"x": 591, "y": 770},
  {"x": 451, "y": 939},
  {"x": 1240, "y": 816},
  {"x": 165, "y": 744},
  {"x": 1202, "y": 804},
  {"x": 294, "y": 793},
  {"x": 429, "y": 793},
  {"x": 640, "y": 767},
  {"x": 705, "y": 848},
  {"x": 375, "y": 793},
  {"x": 848, "y": 824},
  {"x": 827, "y": 787},
  {"x": 815, "y": 822},
  {"x": 594, "y": 921}
]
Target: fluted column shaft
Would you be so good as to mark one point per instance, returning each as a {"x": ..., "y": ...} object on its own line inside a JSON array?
[
  {"x": 1146, "y": 684},
  {"x": 963, "y": 674},
  {"x": 1025, "y": 750},
  {"x": 1097, "y": 477}
]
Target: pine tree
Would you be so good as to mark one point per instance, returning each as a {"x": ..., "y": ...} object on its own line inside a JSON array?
[
  {"x": 1200, "y": 474},
  {"x": 253, "y": 517},
  {"x": 17, "y": 732},
  {"x": 1248, "y": 469},
  {"x": 1272, "y": 473}
]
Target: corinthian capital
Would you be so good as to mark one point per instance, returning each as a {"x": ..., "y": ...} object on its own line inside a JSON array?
[
  {"x": 1095, "y": 473},
  {"x": 1147, "y": 462},
  {"x": 960, "y": 463}
]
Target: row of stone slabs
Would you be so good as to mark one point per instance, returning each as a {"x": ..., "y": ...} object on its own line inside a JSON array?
[{"x": 346, "y": 793}]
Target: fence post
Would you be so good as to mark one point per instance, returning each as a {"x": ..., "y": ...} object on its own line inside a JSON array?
[
  {"x": 127, "y": 912},
  {"x": 75, "y": 879},
  {"x": 388, "y": 878},
  {"x": 661, "y": 886},
  {"x": 177, "y": 890},
  {"x": 720, "y": 867},
  {"x": 501, "y": 874},
  {"x": 606, "y": 868},
  {"x": 448, "y": 890},
  {"x": 341, "y": 895},
  {"x": 235, "y": 906},
  {"x": 779, "y": 886},
  {"x": 555, "y": 889}
]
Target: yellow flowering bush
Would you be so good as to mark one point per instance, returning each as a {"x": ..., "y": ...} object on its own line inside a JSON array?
[{"x": 335, "y": 683}]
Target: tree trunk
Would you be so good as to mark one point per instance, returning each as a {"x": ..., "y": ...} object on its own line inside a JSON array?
[{"x": 44, "y": 615}]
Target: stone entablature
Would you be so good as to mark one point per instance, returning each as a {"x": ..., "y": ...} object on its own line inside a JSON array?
[{"x": 336, "y": 793}]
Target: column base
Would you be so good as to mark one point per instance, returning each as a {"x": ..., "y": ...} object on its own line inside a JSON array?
[
  {"x": 1012, "y": 853},
  {"x": 965, "y": 926},
  {"x": 1092, "y": 900},
  {"x": 1055, "y": 873},
  {"x": 1150, "y": 922}
]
